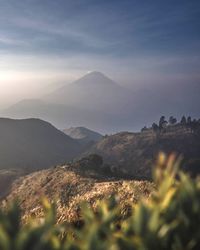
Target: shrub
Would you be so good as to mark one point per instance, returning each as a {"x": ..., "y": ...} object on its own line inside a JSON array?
[
  {"x": 170, "y": 219},
  {"x": 92, "y": 161}
]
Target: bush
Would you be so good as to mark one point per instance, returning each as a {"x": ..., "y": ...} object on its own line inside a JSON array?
[
  {"x": 92, "y": 161},
  {"x": 170, "y": 219}
]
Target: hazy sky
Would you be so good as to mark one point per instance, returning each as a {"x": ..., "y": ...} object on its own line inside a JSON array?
[{"x": 134, "y": 42}]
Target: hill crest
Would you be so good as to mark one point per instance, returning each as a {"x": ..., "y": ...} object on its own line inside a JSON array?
[{"x": 33, "y": 144}]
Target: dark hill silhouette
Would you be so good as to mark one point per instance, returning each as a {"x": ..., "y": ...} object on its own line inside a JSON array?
[{"x": 33, "y": 144}]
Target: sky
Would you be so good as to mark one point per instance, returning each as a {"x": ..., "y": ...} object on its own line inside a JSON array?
[{"x": 136, "y": 43}]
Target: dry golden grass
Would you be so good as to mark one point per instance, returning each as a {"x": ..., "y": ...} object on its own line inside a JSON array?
[{"x": 69, "y": 188}]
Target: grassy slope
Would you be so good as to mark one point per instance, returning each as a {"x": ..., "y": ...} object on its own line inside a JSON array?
[
  {"x": 69, "y": 188},
  {"x": 136, "y": 152}
]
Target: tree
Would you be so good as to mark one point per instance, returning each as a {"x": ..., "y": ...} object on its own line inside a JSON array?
[
  {"x": 91, "y": 161},
  {"x": 172, "y": 120},
  {"x": 162, "y": 122},
  {"x": 194, "y": 125},
  {"x": 183, "y": 120},
  {"x": 155, "y": 127},
  {"x": 95, "y": 159},
  {"x": 189, "y": 119},
  {"x": 144, "y": 129}
]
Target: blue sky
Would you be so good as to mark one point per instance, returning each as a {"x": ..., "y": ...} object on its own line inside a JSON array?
[
  {"x": 134, "y": 42},
  {"x": 118, "y": 28}
]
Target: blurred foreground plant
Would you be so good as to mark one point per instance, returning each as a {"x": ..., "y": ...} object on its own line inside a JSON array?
[{"x": 170, "y": 219}]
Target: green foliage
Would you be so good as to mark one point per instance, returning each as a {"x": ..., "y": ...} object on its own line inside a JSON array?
[{"x": 170, "y": 219}]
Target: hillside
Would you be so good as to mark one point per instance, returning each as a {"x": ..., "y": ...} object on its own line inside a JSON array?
[
  {"x": 70, "y": 186},
  {"x": 83, "y": 135},
  {"x": 33, "y": 144},
  {"x": 6, "y": 179},
  {"x": 135, "y": 153}
]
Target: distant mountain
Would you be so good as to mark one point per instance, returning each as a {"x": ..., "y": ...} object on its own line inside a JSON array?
[
  {"x": 94, "y": 91},
  {"x": 97, "y": 101},
  {"x": 135, "y": 153},
  {"x": 34, "y": 144},
  {"x": 94, "y": 101},
  {"x": 59, "y": 115},
  {"x": 83, "y": 134}
]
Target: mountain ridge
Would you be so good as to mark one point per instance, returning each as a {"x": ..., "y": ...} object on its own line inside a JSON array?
[
  {"x": 33, "y": 143},
  {"x": 136, "y": 152}
]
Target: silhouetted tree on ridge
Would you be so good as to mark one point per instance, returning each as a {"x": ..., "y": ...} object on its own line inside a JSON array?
[
  {"x": 183, "y": 120},
  {"x": 162, "y": 122},
  {"x": 172, "y": 120},
  {"x": 189, "y": 119},
  {"x": 155, "y": 127}
]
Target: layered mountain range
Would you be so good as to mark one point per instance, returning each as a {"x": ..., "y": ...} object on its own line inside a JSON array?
[
  {"x": 92, "y": 101},
  {"x": 84, "y": 172},
  {"x": 35, "y": 144},
  {"x": 95, "y": 101}
]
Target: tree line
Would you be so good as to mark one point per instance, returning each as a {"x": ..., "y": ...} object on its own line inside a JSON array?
[{"x": 164, "y": 123}]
